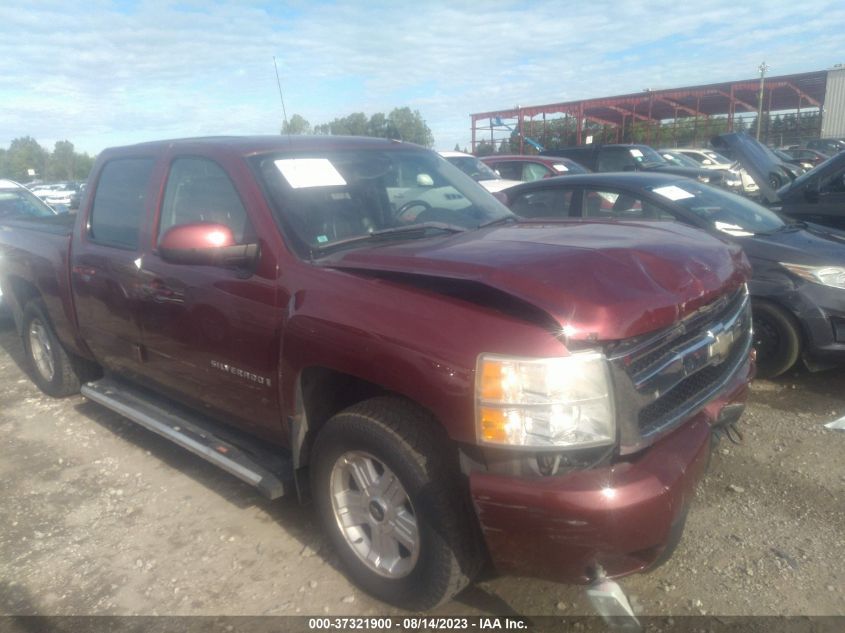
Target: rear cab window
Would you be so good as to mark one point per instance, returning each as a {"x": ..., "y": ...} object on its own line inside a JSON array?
[{"x": 119, "y": 206}]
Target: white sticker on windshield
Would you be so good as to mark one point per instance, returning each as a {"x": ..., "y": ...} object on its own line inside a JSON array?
[
  {"x": 731, "y": 229},
  {"x": 560, "y": 167},
  {"x": 309, "y": 172},
  {"x": 636, "y": 153},
  {"x": 673, "y": 192}
]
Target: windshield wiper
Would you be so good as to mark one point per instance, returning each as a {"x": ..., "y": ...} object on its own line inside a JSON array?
[
  {"x": 790, "y": 226},
  {"x": 413, "y": 231},
  {"x": 507, "y": 219}
]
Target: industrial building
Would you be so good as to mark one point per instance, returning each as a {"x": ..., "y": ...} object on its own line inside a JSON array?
[{"x": 675, "y": 116}]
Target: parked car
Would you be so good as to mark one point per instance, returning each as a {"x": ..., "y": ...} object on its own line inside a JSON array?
[
  {"x": 787, "y": 158},
  {"x": 602, "y": 158},
  {"x": 62, "y": 194},
  {"x": 798, "y": 283},
  {"x": 524, "y": 168},
  {"x": 478, "y": 171},
  {"x": 16, "y": 202},
  {"x": 735, "y": 176},
  {"x": 448, "y": 385},
  {"x": 829, "y": 146},
  {"x": 817, "y": 196},
  {"x": 808, "y": 157}
]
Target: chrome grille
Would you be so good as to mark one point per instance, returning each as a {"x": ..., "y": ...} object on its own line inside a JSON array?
[{"x": 665, "y": 377}]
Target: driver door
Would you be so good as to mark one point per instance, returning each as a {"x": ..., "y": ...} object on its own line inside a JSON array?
[{"x": 211, "y": 333}]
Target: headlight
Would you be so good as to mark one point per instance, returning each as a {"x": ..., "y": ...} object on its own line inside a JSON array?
[
  {"x": 824, "y": 275},
  {"x": 544, "y": 402},
  {"x": 702, "y": 178}
]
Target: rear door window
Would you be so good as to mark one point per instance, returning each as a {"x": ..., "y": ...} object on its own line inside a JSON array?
[
  {"x": 544, "y": 203},
  {"x": 511, "y": 170},
  {"x": 620, "y": 205},
  {"x": 615, "y": 159},
  {"x": 120, "y": 202},
  {"x": 534, "y": 171}
]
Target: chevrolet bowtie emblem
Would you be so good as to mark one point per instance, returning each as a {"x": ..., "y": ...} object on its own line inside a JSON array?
[{"x": 720, "y": 346}]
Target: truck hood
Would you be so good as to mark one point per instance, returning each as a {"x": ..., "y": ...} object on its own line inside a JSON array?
[{"x": 599, "y": 281}]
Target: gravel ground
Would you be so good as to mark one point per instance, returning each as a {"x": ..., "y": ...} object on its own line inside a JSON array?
[{"x": 100, "y": 517}]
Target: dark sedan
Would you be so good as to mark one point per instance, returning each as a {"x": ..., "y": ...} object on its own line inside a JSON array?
[{"x": 798, "y": 286}]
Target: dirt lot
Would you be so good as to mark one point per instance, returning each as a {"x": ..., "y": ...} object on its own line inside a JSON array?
[{"x": 100, "y": 517}]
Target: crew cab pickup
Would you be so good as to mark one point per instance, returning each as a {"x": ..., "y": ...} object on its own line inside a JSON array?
[{"x": 357, "y": 322}]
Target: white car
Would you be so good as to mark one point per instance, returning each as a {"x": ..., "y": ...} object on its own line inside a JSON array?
[
  {"x": 708, "y": 159},
  {"x": 479, "y": 172}
]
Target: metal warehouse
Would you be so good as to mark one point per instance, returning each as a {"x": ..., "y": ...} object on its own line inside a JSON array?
[{"x": 814, "y": 99}]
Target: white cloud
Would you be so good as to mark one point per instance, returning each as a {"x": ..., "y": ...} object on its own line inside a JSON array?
[{"x": 98, "y": 75}]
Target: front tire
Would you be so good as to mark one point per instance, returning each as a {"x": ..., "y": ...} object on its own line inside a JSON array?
[
  {"x": 776, "y": 338},
  {"x": 388, "y": 491}
]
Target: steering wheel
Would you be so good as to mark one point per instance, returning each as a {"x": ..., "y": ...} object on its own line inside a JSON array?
[{"x": 412, "y": 204}]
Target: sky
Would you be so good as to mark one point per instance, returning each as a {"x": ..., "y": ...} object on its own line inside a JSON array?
[{"x": 101, "y": 73}]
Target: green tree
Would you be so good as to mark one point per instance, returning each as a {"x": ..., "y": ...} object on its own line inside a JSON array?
[
  {"x": 296, "y": 125},
  {"x": 25, "y": 154},
  {"x": 485, "y": 148},
  {"x": 409, "y": 125},
  {"x": 402, "y": 123},
  {"x": 378, "y": 126},
  {"x": 62, "y": 162}
]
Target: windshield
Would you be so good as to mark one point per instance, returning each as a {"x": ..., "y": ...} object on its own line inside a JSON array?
[
  {"x": 725, "y": 211},
  {"x": 334, "y": 197},
  {"x": 21, "y": 203},
  {"x": 473, "y": 167},
  {"x": 717, "y": 158},
  {"x": 679, "y": 160},
  {"x": 645, "y": 155}
]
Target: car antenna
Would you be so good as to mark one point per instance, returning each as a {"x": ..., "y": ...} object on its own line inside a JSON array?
[{"x": 281, "y": 98}]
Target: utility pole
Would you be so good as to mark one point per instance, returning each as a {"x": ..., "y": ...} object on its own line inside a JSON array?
[{"x": 762, "y": 68}]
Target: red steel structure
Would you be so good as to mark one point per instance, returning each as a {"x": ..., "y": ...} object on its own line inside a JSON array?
[{"x": 798, "y": 93}]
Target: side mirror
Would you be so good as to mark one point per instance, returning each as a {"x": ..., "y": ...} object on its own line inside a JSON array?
[
  {"x": 206, "y": 244},
  {"x": 707, "y": 161},
  {"x": 811, "y": 191}
]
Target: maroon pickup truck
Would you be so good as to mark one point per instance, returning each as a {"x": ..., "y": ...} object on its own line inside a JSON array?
[{"x": 356, "y": 322}]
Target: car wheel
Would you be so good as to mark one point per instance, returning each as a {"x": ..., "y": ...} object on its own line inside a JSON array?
[
  {"x": 776, "y": 339},
  {"x": 53, "y": 370},
  {"x": 389, "y": 495}
]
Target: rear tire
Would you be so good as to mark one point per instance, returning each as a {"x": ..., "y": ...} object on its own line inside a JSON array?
[
  {"x": 388, "y": 444},
  {"x": 52, "y": 369},
  {"x": 776, "y": 339}
]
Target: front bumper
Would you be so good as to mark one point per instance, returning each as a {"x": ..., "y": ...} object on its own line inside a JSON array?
[
  {"x": 627, "y": 516},
  {"x": 821, "y": 311}
]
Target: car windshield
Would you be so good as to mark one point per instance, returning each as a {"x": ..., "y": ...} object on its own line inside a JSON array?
[
  {"x": 21, "y": 203},
  {"x": 343, "y": 198},
  {"x": 717, "y": 158},
  {"x": 473, "y": 167},
  {"x": 679, "y": 160},
  {"x": 645, "y": 155},
  {"x": 725, "y": 211}
]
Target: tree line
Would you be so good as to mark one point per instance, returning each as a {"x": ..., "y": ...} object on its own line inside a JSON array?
[
  {"x": 401, "y": 123},
  {"x": 25, "y": 160}
]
